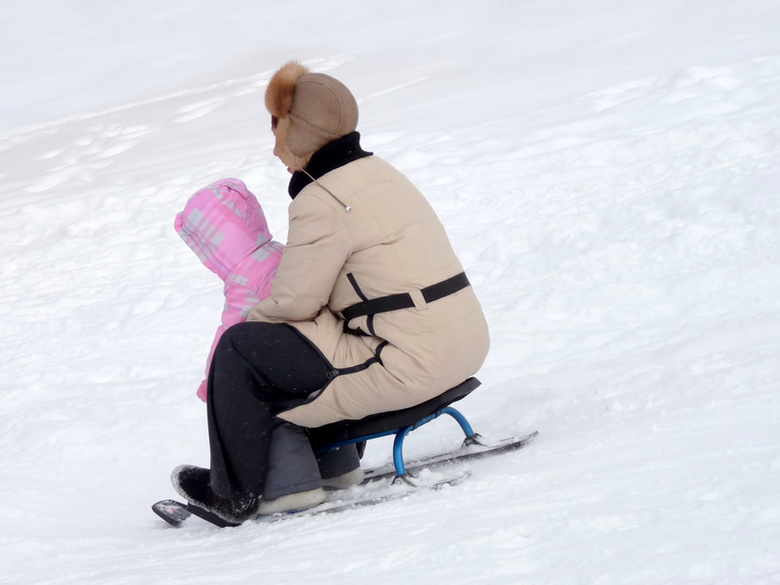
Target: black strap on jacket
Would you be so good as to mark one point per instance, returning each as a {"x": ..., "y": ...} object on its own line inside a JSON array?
[{"x": 404, "y": 300}]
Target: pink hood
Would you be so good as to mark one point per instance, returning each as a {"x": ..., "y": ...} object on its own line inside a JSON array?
[{"x": 223, "y": 224}]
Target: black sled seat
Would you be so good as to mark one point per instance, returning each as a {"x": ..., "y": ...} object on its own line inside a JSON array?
[{"x": 399, "y": 423}]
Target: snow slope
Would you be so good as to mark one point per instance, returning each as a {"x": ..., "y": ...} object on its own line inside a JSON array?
[{"x": 608, "y": 172}]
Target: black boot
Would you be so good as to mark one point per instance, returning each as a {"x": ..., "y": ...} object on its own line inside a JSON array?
[{"x": 193, "y": 483}]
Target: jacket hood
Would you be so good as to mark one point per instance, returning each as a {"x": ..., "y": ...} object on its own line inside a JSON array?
[{"x": 223, "y": 224}]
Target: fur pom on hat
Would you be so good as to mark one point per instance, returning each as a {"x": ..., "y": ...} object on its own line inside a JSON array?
[{"x": 308, "y": 110}]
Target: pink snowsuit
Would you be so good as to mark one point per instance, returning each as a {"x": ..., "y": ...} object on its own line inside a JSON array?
[{"x": 225, "y": 226}]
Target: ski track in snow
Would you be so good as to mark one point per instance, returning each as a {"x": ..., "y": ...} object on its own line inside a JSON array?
[{"x": 624, "y": 242}]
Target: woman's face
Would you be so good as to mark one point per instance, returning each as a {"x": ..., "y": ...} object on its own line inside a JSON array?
[{"x": 274, "y": 124}]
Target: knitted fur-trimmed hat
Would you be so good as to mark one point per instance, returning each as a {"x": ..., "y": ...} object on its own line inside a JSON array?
[{"x": 308, "y": 110}]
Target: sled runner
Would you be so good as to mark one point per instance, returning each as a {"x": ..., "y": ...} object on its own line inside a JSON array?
[{"x": 398, "y": 423}]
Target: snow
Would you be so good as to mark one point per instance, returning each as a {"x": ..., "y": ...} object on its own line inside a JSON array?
[{"x": 608, "y": 172}]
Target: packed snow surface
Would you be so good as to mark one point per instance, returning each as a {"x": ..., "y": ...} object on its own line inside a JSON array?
[{"x": 608, "y": 173}]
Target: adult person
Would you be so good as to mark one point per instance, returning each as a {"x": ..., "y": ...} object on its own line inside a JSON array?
[{"x": 370, "y": 311}]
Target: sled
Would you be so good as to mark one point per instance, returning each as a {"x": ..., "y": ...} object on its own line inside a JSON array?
[{"x": 398, "y": 424}]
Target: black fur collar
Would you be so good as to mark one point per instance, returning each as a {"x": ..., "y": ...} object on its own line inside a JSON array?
[{"x": 331, "y": 156}]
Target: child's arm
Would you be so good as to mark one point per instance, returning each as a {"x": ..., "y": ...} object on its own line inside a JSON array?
[{"x": 239, "y": 300}]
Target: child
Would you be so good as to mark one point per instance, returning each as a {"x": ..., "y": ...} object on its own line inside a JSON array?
[{"x": 225, "y": 226}]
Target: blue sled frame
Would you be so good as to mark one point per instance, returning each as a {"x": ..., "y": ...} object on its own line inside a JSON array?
[{"x": 399, "y": 423}]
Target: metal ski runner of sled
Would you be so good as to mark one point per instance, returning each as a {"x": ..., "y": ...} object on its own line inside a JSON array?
[
  {"x": 175, "y": 512},
  {"x": 400, "y": 424}
]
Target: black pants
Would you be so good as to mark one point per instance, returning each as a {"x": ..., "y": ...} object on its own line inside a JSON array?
[{"x": 258, "y": 370}]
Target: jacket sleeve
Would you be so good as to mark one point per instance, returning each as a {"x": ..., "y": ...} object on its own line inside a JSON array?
[
  {"x": 237, "y": 300},
  {"x": 318, "y": 244}
]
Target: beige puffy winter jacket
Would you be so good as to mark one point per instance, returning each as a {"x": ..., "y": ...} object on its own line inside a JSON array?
[{"x": 390, "y": 241}]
